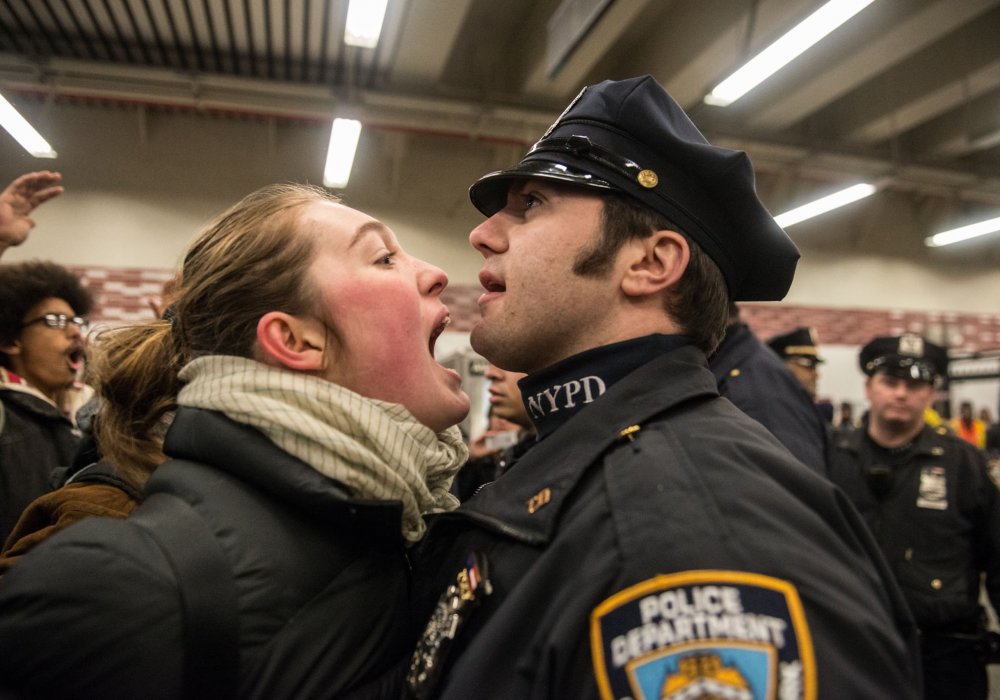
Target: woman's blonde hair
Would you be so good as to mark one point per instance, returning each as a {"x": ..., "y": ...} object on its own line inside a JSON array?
[{"x": 249, "y": 261}]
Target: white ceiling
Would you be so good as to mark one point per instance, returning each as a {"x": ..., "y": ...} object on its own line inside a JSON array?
[{"x": 906, "y": 95}]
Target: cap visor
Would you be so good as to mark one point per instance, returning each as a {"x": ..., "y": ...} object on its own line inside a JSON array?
[{"x": 489, "y": 193}]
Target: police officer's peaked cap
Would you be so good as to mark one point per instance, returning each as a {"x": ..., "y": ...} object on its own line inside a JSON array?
[
  {"x": 630, "y": 136},
  {"x": 800, "y": 342},
  {"x": 909, "y": 356}
]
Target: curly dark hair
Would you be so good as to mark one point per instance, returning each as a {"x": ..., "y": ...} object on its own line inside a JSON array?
[{"x": 24, "y": 284}]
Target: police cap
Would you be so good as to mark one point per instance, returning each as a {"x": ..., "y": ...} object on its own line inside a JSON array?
[
  {"x": 630, "y": 136},
  {"x": 908, "y": 356},
  {"x": 799, "y": 343}
]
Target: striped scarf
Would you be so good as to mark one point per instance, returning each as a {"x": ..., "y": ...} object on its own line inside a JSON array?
[{"x": 376, "y": 449}]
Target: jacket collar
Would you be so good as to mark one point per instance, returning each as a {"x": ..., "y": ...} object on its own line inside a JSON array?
[
  {"x": 527, "y": 501},
  {"x": 925, "y": 444},
  {"x": 211, "y": 438},
  {"x": 738, "y": 344}
]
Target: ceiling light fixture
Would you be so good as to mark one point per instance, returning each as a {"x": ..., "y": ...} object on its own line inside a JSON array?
[
  {"x": 364, "y": 23},
  {"x": 25, "y": 134},
  {"x": 784, "y": 50},
  {"x": 825, "y": 204},
  {"x": 340, "y": 156},
  {"x": 963, "y": 233}
]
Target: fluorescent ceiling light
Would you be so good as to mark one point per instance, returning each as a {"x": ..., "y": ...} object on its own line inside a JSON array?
[
  {"x": 825, "y": 204},
  {"x": 784, "y": 50},
  {"x": 963, "y": 233},
  {"x": 364, "y": 23},
  {"x": 340, "y": 157},
  {"x": 25, "y": 134}
]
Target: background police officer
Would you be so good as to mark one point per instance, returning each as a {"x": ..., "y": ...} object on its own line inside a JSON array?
[
  {"x": 799, "y": 351},
  {"x": 929, "y": 501},
  {"x": 763, "y": 387}
]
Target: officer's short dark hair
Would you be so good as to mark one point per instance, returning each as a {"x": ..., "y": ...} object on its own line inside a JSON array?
[
  {"x": 24, "y": 284},
  {"x": 699, "y": 301}
]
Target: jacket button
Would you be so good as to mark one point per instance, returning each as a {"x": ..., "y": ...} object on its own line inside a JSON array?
[{"x": 936, "y": 584}]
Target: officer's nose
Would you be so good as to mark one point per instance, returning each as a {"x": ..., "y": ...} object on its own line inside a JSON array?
[{"x": 490, "y": 237}]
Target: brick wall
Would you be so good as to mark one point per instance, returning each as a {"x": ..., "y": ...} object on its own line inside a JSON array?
[{"x": 122, "y": 297}]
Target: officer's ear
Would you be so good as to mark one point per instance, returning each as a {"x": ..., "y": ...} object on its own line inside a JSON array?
[{"x": 654, "y": 263}]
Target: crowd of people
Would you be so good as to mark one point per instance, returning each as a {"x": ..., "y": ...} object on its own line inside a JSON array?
[{"x": 263, "y": 492}]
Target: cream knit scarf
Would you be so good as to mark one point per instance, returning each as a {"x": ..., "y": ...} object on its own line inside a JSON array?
[{"x": 376, "y": 449}]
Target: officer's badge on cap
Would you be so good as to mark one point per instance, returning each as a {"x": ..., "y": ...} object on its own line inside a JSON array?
[
  {"x": 908, "y": 356},
  {"x": 799, "y": 344},
  {"x": 630, "y": 136}
]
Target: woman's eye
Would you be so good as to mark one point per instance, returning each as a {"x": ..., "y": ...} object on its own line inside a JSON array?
[{"x": 386, "y": 259}]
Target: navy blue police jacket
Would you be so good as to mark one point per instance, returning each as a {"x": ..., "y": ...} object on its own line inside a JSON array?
[
  {"x": 937, "y": 521},
  {"x": 657, "y": 543},
  {"x": 755, "y": 379}
]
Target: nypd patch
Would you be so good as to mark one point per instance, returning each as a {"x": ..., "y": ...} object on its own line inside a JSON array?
[{"x": 718, "y": 634}]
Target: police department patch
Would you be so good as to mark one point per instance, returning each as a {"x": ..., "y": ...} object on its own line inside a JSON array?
[{"x": 703, "y": 634}]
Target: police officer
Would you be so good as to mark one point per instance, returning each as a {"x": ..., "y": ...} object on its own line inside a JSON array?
[
  {"x": 655, "y": 541},
  {"x": 798, "y": 350},
  {"x": 932, "y": 507},
  {"x": 762, "y": 386}
]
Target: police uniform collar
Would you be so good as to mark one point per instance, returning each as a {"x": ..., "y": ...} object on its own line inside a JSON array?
[
  {"x": 924, "y": 444},
  {"x": 553, "y": 395},
  {"x": 527, "y": 501}
]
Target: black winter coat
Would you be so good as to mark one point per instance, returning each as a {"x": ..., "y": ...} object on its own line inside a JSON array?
[
  {"x": 696, "y": 555},
  {"x": 36, "y": 440},
  {"x": 321, "y": 583}
]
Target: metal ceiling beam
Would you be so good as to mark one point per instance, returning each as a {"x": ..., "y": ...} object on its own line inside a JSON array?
[
  {"x": 694, "y": 55},
  {"x": 950, "y": 96},
  {"x": 420, "y": 114},
  {"x": 601, "y": 38},
  {"x": 426, "y": 45},
  {"x": 895, "y": 43}
]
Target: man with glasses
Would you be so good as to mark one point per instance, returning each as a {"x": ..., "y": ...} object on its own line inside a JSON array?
[{"x": 42, "y": 330}]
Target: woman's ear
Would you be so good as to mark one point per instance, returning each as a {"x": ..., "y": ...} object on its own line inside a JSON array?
[
  {"x": 655, "y": 263},
  {"x": 292, "y": 342}
]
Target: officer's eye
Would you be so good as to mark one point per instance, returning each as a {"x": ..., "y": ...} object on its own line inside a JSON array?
[{"x": 530, "y": 201}]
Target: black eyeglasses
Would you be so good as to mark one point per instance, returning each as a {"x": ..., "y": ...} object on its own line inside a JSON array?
[{"x": 59, "y": 321}]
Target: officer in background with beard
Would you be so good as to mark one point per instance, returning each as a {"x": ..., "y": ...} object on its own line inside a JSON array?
[{"x": 935, "y": 512}]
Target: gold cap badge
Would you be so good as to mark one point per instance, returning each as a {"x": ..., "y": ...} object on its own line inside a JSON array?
[{"x": 648, "y": 179}]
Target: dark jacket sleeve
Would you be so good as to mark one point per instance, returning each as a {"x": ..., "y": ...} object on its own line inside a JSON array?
[{"x": 94, "y": 605}]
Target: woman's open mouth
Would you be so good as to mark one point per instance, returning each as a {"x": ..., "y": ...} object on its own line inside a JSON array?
[{"x": 438, "y": 330}]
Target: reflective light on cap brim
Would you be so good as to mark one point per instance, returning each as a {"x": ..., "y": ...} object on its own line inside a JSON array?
[
  {"x": 825, "y": 204},
  {"x": 364, "y": 23},
  {"x": 963, "y": 233},
  {"x": 340, "y": 157},
  {"x": 784, "y": 50},
  {"x": 25, "y": 134}
]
